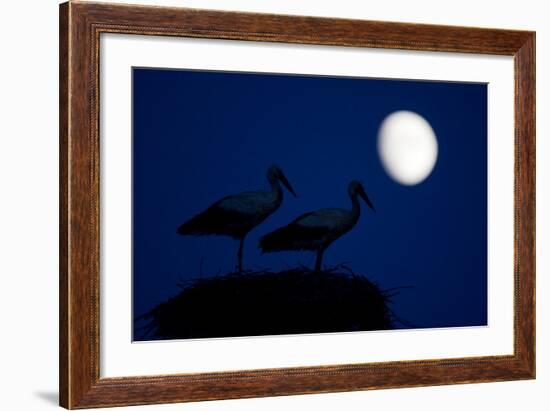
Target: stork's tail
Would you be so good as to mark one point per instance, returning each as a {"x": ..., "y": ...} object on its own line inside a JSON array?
[
  {"x": 192, "y": 227},
  {"x": 184, "y": 229},
  {"x": 277, "y": 240}
]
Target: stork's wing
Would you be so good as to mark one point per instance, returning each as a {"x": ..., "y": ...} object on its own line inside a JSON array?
[
  {"x": 304, "y": 232},
  {"x": 217, "y": 220},
  {"x": 326, "y": 219},
  {"x": 249, "y": 202},
  {"x": 232, "y": 215}
]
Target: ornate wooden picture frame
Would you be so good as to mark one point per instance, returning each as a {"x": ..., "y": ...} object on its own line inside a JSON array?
[{"x": 81, "y": 24}]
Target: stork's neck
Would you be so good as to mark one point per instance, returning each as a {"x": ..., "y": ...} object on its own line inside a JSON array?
[
  {"x": 276, "y": 188},
  {"x": 355, "y": 207}
]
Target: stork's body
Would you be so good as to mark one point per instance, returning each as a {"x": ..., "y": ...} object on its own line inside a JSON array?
[
  {"x": 235, "y": 216},
  {"x": 317, "y": 230}
]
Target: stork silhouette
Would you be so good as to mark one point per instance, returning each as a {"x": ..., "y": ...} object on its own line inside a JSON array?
[
  {"x": 236, "y": 215},
  {"x": 316, "y": 230}
]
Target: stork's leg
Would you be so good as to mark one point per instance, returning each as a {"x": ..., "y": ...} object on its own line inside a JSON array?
[
  {"x": 240, "y": 255},
  {"x": 319, "y": 260}
]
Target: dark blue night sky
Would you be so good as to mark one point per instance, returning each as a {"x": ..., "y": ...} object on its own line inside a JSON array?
[{"x": 199, "y": 136}]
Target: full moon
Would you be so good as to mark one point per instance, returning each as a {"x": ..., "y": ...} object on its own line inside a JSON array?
[{"x": 407, "y": 147}]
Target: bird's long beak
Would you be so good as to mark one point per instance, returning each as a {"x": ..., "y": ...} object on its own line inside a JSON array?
[
  {"x": 285, "y": 182},
  {"x": 365, "y": 197}
]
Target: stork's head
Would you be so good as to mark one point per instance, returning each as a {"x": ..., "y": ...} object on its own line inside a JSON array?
[
  {"x": 356, "y": 188},
  {"x": 274, "y": 173}
]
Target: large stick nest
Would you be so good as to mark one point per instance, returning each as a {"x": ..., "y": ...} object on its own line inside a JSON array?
[{"x": 293, "y": 301}]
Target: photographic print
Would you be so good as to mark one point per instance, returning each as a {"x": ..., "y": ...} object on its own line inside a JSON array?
[
  {"x": 253, "y": 205},
  {"x": 271, "y": 204}
]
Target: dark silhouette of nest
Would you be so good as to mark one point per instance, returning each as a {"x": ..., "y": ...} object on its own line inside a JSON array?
[{"x": 293, "y": 301}]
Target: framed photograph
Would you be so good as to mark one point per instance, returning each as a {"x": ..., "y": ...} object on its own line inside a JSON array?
[{"x": 259, "y": 205}]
